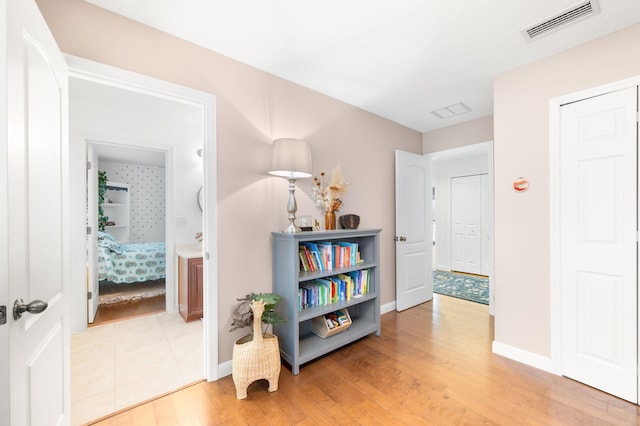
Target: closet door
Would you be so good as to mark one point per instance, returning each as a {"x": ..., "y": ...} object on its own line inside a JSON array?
[
  {"x": 466, "y": 224},
  {"x": 598, "y": 242}
]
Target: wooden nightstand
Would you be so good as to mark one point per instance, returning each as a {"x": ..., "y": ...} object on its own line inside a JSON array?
[{"x": 190, "y": 283}]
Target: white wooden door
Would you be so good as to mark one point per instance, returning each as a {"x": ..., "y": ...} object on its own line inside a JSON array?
[
  {"x": 598, "y": 242},
  {"x": 414, "y": 235},
  {"x": 93, "y": 289},
  {"x": 466, "y": 224},
  {"x": 36, "y": 152}
]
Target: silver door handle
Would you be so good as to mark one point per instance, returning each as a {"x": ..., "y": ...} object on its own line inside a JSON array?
[
  {"x": 400, "y": 238},
  {"x": 34, "y": 307}
]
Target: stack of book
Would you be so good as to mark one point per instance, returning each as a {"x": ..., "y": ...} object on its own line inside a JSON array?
[
  {"x": 333, "y": 289},
  {"x": 327, "y": 256}
]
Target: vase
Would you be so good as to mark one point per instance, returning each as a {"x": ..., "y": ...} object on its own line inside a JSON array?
[
  {"x": 330, "y": 219},
  {"x": 255, "y": 357}
]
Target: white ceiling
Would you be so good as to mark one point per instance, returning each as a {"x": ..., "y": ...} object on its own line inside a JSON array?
[
  {"x": 166, "y": 113},
  {"x": 398, "y": 59}
]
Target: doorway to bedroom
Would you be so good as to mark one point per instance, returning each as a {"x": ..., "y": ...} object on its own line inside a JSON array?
[
  {"x": 114, "y": 365},
  {"x": 127, "y": 262}
]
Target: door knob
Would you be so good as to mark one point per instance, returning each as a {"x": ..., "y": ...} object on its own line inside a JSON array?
[
  {"x": 34, "y": 307},
  {"x": 400, "y": 238}
]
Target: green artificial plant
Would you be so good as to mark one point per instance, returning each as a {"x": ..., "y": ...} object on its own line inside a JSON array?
[
  {"x": 242, "y": 315},
  {"x": 102, "y": 189}
]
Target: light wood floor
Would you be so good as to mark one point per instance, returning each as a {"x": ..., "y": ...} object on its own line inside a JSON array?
[{"x": 431, "y": 365}]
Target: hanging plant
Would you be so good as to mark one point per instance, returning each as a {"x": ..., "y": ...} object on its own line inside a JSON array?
[{"x": 102, "y": 189}]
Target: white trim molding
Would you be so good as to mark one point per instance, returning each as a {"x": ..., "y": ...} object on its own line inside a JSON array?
[
  {"x": 524, "y": 357},
  {"x": 205, "y": 103}
]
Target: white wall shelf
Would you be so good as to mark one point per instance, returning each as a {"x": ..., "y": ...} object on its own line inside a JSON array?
[{"x": 116, "y": 209}]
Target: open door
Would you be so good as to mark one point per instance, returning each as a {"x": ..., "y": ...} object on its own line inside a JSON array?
[
  {"x": 93, "y": 292},
  {"x": 599, "y": 256},
  {"x": 34, "y": 244},
  {"x": 414, "y": 236}
]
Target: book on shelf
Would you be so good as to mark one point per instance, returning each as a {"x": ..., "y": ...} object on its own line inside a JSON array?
[
  {"x": 309, "y": 264},
  {"x": 327, "y": 256},
  {"x": 333, "y": 289},
  {"x": 304, "y": 262},
  {"x": 331, "y": 323},
  {"x": 326, "y": 249},
  {"x": 349, "y": 254}
]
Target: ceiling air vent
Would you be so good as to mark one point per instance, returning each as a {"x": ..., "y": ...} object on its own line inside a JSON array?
[
  {"x": 562, "y": 19},
  {"x": 451, "y": 110}
]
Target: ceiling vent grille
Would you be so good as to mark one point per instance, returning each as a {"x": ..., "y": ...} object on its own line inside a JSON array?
[
  {"x": 451, "y": 110},
  {"x": 575, "y": 13}
]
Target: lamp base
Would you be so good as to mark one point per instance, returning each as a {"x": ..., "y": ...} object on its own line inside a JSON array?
[
  {"x": 292, "y": 206},
  {"x": 291, "y": 229}
]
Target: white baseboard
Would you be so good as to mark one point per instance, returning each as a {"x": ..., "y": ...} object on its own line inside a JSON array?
[
  {"x": 528, "y": 358},
  {"x": 224, "y": 369},
  {"x": 388, "y": 307}
]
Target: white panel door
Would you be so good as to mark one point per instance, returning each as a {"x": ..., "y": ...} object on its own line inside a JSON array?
[
  {"x": 93, "y": 289},
  {"x": 598, "y": 242},
  {"x": 466, "y": 224},
  {"x": 414, "y": 234},
  {"x": 37, "y": 236}
]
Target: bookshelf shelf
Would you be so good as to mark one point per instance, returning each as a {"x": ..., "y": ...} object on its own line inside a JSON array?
[
  {"x": 298, "y": 344},
  {"x": 117, "y": 210}
]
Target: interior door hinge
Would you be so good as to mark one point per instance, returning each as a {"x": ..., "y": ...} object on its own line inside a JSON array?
[
  {"x": 88, "y": 165},
  {"x": 89, "y": 295},
  {"x": 88, "y": 230}
]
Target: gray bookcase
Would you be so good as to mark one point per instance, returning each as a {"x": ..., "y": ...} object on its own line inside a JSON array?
[{"x": 298, "y": 344}]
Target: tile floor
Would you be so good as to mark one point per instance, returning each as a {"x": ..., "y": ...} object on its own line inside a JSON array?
[{"x": 119, "y": 364}]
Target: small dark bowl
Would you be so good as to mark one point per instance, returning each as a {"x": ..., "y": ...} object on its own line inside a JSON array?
[{"x": 349, "y": 221}]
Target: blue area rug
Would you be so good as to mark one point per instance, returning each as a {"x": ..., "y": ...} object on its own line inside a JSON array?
[{"x": 473, "y": 288}]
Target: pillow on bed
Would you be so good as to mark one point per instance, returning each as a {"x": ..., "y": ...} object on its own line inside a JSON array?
[
  {"x": 105, "y": 236},
  {"x": 110, "y": 244}
]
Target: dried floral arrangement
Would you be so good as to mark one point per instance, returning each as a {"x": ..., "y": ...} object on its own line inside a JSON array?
[{"x": 327, "y": 195}]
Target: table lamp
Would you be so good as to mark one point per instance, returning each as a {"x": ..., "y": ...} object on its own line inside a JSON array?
[{"x": 291, "y": 160}]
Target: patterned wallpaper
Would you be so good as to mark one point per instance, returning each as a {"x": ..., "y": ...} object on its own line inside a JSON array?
[{"x": 147, "y": 214}]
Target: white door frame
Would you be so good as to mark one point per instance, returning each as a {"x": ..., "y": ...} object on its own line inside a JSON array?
[
  {"x": 206, "y": 102},
  {"x": 467, "y": 151},
  {"x": 555, "y": 105},
  {"x": 171, "y": 300}
]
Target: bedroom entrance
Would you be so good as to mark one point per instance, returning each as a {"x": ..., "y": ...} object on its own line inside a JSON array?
[
  {"x": 126, "y": 205},
  {"x": 127, "y": 119}
]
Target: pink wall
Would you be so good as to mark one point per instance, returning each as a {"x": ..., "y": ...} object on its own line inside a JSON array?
[
  {"x": 253, "y": 109},
  {"x": 467, "y": 133},
  {"x": 521, "y": 148}
]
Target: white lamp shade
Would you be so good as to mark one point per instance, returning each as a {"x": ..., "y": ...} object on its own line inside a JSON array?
[{"x": 291, "y": 159}]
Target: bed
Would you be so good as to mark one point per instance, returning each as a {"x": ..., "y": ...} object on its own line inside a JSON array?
[{"x": 130, "y": 263}]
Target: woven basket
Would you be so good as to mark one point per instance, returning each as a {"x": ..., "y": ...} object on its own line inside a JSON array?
[{"x": 256, "y": 359}]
